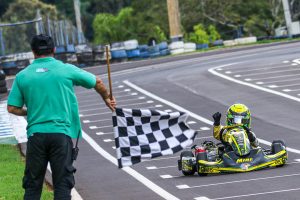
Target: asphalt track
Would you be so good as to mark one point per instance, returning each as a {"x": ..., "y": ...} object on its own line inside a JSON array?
[{"x": 267, "y": 79}]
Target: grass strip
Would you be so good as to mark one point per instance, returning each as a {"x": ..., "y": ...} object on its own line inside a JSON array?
[{"x": 12, "y": 167}]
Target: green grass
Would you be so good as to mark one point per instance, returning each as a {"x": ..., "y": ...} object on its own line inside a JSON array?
[{"x": 11, "y": 173}]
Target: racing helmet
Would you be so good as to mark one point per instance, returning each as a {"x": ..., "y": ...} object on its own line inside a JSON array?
[{"x": 238, "y": 114}]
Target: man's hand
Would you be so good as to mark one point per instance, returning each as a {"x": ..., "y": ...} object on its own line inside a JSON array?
[
  {"x": 111, "y": 103},
  {"x": 217, "y": 118}
]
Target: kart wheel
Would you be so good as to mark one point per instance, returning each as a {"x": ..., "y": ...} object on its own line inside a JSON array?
[
  {"x": 277, "y": 145},
  {"x": 201, "y": 156},
  {"x": 187, "y": 154}
]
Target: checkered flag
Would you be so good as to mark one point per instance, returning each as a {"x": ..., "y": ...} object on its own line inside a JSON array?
[{"x": 142, "y": 134}]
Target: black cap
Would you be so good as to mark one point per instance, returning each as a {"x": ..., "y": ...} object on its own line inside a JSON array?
[{"x": 42, "y": 44}]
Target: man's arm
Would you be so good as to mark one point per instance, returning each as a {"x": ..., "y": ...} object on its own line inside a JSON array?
[
  {"x": 101, "y": 89},
  {"x": 16, "y": 110}
]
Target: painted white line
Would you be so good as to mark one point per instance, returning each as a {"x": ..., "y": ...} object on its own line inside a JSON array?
[
  {"x": 93, "y": 121},
  {"x": 228, "y": 72},
  {"x": 108, "y": 140},
  {"x": 290, "y": 85},
  {"x": 168, "y": 110},
  {"x": 294, "y": 64},
  {"x": 202, "y": 198},
  {"x": 272, "y": 86},
  {"x": 285, "y": 61},
  {"x": 204, "y": 128},
  {"x": 81, "y": 115},
  {"x": 253, "y": 86},
  {"x": 98, "y": 127},
  {"x": 241, "y": 181},
  {"x": 191, "y": 122},
  {"x": 168, "y": 102},
  {"x": 297, "y": 160},
  {"x": 179, "y": 108},
  {"x": 255, "y": 194},
  {"x": 297, "y": 61},
  {"x": 183, "y": 186},
  {"x": 120, "y": 86},
  {"x": 166, "y": 176},
  {"x": 259, "y": 83},
  {"x": 285, "y": 80},
  {"x": 165, "y": 167},
  {"x": 102, "y": 133},
  {"x": 162, "y": 158},
  {"x": 286, "y": 90},
  {"x": 142, "y": 179},
  {"x": 272, "y": 77},
  {"x": 271, "y": 72}
]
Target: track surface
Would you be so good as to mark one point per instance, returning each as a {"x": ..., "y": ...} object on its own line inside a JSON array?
[{"x": 266, "y": 79}]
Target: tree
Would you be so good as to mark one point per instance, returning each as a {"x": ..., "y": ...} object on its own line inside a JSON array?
[{"x": 17, "y": 38}]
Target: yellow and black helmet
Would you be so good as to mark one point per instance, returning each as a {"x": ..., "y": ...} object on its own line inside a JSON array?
[{"x": 238, "y": 114}]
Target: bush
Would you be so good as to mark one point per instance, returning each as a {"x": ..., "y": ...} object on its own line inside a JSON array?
[{"x": 199, "y": 36}]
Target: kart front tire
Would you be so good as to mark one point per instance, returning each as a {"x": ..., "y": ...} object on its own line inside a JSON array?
[
  {"x": 187, "y": 154},
  {"x": 201, "y": 156}
]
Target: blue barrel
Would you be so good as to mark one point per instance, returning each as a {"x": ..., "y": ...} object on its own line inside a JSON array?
[
  {"x": 60, "y": 49},
  {"x": 118, "y": 54},
  {"x": 9, "y": 64},
  {"x": 153, "y": 49},
  {"x": 164, "y": 52},
  {"x": 70, "y": 48},
  {"x": 163, "y": 46},
  {"x": 134, "y": 53},
  {"x": 144, "y": 54},
  {"x": 143, "y": 48},
  {"x": 201, "y": 46}
]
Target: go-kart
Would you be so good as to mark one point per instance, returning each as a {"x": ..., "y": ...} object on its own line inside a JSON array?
[{"x": 238, "y": 156}]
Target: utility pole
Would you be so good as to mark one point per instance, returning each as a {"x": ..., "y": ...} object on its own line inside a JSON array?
[
  {"x": 78, "y": 21},
  {"x": 174, "y": 20},
  {"x": 287, "y": 14}
]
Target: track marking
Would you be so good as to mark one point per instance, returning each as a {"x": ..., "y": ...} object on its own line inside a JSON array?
[
  {"x": 179, "y": 108},
  {"x": 212, "y": 70},
  {"x": 154, "y": 167},
  {"x": 142, "y": 179},
  {"x": 272, "y": 77},
  {"x": 272, "y": 72},
  {"x": 239, "y": 181},
  {"x": 255, "y": 194}
]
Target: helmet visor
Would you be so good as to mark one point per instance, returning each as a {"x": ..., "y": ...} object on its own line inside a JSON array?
[{"x": 237, "y": 119}]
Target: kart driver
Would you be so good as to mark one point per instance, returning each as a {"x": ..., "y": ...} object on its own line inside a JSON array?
[{"x": 236, "y": 114}]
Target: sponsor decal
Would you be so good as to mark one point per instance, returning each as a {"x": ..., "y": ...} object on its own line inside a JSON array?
[
  {"x": 243, "y": 160},
  {"x": 41, "y": 70}
]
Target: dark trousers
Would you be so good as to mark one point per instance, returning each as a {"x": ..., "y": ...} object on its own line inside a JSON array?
[{"x": 55, "y": 148}]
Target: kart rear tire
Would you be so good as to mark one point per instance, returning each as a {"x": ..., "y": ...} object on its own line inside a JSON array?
[
  {"x": 201, "y": 156},
  {"x": 277, "y": 145},
  {"x": 187, "y": 154}
]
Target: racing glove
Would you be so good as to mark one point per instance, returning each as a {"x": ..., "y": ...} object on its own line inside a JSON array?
[{"x": 217, "y": 118}]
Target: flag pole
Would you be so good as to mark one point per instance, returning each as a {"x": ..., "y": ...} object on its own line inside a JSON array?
[{"x": 108, "y": 71}]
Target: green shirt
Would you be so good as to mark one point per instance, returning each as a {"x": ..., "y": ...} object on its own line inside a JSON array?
[{"x": 46, "y": 88}]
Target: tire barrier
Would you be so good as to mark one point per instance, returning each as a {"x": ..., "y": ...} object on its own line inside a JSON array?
[
  {"x": 144, "y": 51},
  {"x": 99, "y": 54},
  {"x": 163, "y": 46},
  {"x": 189, "y": 47},
  {"x": 218, "y": 43},
  {"x": 3, "y": 87},
  {"x": 154, "y": 51},
  {"x": 176, "y": 47},
  {"x": 131, "y": 44},
  {"x": 118, "y": 54},
  {"x": 201, "y": 46},
  {"x": 134, "y": 53},
  {"x": 229, "y": 43},
  {"x": 84, "y": 55}
]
